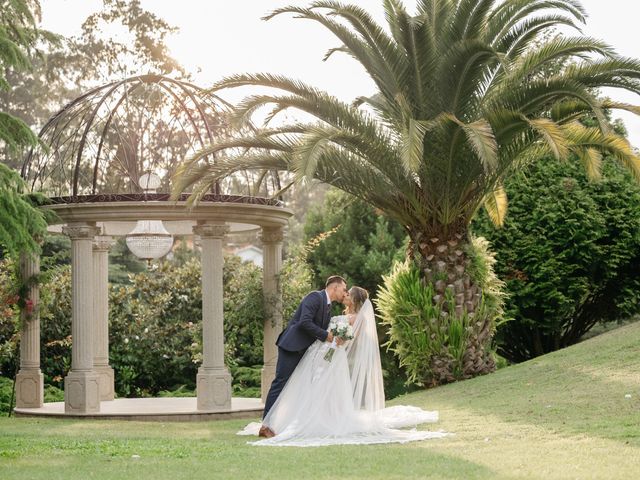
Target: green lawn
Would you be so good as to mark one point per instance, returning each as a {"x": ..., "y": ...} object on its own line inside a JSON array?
[{"x": 562, "y": 416}]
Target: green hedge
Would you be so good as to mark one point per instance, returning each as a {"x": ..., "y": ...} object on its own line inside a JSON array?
[{"x": 569, "y": 253}]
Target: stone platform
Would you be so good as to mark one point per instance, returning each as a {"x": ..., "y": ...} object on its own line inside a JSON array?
[{"x": 173, "y": 409}]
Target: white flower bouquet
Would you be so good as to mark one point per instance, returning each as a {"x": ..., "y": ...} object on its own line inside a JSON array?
[{"x": 341, "y": 329}]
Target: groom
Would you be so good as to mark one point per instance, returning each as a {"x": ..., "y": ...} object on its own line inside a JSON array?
[{"x": 308, "y": 324}]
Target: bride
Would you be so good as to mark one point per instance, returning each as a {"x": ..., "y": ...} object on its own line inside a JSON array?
[{"x": 341, "y": 401}]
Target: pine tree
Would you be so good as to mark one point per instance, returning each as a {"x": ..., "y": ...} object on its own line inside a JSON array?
[{"x": 21, "y": 223}]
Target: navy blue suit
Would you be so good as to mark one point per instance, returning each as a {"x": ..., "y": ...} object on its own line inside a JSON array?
[{"x": 308, "y": 324}]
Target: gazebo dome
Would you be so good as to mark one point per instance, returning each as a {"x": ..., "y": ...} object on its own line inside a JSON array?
[
  {"x": 101, "y": 143},
  {"x": 97, "y": 148}
]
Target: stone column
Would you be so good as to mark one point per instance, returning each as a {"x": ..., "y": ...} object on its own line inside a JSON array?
[
  {"x": 81, "y": 385},
  {"x": 213, "y": 380},
  {"x": 30, "y": 381},
  {"x": 271, "y": 266},
  {"x": 101, "y": 367}
]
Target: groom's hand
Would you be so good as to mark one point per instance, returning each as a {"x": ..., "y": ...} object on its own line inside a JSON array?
[{"x": 330, "y": 337}]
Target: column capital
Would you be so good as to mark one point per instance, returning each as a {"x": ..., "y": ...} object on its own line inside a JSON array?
[
  {"x": 272, "y": 235},
  {"x": 80, "y": 231},
  {"x": 209, "y": 230},
  {"x": 103, "y": 243}
]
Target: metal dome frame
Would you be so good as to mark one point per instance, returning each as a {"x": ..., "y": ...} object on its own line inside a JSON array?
[{"x": 87, "y": 122}]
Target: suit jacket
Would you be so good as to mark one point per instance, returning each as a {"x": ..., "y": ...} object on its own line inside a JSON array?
[{"x": 308, "y": 324}]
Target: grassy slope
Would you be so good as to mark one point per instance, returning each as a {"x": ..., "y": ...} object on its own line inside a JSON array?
[{"x": 561, "y": 416}]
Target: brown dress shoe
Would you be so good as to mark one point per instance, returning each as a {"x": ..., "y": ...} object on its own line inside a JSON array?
[{"x": 266, "y": 432}]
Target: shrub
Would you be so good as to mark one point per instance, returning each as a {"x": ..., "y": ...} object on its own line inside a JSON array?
[
  {"x": 6, "y": 391},
  {"x": 435, "y": 345},
  {"x": 181, "y": 391},
  {"x": 296, "y": 281},
  {"x": 7, "y": 395},
  {"x": 55, "y": 325},
  {"x": 246, "y": 381},
  {"x": 569, "y": 253},
  {"x": 154, "y": 329},
  {"x": 9, "y": 320},
  {"x": 53, "y": 394}
]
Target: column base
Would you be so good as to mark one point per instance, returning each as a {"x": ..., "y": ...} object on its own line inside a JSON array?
[
  {"x": 267, "y": 375},
  {"x": 29, "y": 389},
  {"x": 214, "y": 390},
  {"x": 81, "y": 392},
  {"x": 106, "y": 382}
]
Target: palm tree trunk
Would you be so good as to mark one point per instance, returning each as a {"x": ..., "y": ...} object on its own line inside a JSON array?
[{"x": 444, "y": 261}]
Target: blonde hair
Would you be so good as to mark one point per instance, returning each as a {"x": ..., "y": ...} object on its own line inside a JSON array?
[{"x": 358, "y": 296}]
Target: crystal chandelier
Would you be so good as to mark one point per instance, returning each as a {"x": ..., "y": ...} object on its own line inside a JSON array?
[{"x": 149, "y": 239}]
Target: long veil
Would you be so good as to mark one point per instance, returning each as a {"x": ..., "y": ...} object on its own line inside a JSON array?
[{"x": 363, "y": 354}]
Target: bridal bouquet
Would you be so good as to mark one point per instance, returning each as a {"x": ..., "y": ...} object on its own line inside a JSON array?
[{"x": 340, "y": 329}]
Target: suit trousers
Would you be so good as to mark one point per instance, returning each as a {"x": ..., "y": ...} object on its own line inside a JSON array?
[{"x": 287, "y": 363}]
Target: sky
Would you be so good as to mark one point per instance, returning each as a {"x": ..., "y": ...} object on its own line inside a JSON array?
[{"x": 217, "y": 38}]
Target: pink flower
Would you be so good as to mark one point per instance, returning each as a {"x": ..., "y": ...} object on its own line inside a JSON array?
[{"x": 28, "y": 305}]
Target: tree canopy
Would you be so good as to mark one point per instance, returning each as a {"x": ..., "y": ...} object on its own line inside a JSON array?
[
  {"x": 20, "y": 222},
  {"x": 463, "y": 99}
]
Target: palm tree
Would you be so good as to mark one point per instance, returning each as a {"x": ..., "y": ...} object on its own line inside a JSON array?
[{"x": 465, "y": 97}]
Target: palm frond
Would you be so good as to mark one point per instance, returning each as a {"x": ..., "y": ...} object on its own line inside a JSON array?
[
  {"x": 552, "y": 134},
  {"x": 610, "y": 104},
  {"x": 202, "y": 177},
  {"x": 524, "y": 35},
  {"x": 373, "y": 34},
  {"x": 378, "y": 70},
  {"x": 616, "y": 72},
  {"x": 556, "y": 49},
  {"x": 496, "y": 204},
  {"x": 482, "y": 140},
  {"x": 413, "y": 144},
  {"x": 462, "y": 71},
  {"x": 619, "y": 147},
  {"x": 306, "y": 155},
  {"x": 509, "y": 14},
  {"x": 567, "y": 111},
  {"x": 592, "y": 161},
  {"x": 476, "y": 23}
]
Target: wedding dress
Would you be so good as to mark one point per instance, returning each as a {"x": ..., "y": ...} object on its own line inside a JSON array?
[{"x": 341, "y": 401}]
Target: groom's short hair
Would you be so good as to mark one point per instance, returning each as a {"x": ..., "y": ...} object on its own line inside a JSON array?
[{"x": 334, "y": 279}]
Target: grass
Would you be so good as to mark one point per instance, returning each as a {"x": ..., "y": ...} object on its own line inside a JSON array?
[{"x": 561, "y": 416}]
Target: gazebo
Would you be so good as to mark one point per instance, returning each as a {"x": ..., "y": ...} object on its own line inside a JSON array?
[{"x": 103, "y": 152}]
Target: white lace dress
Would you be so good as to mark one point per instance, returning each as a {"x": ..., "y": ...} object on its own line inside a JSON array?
[{"x": 317, "y": 407}]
